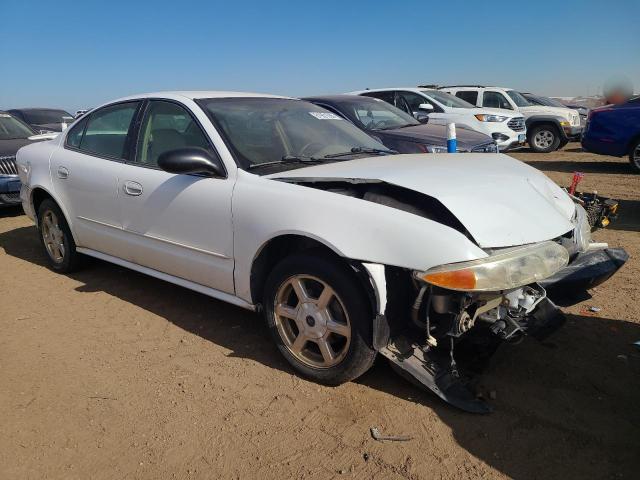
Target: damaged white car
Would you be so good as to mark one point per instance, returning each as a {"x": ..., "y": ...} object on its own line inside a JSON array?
[{"x": 276, "y": 204}]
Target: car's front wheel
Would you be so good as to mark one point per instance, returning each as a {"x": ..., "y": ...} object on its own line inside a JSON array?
[
  {"x": 56, "y": 238},
  {"x": 320, "y": 318},
  {"x": 544, "y": 138},
  {"x": 634, "y": 156}
]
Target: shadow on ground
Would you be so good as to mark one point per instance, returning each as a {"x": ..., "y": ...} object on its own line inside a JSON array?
[
  {"x": 565, "y": 408},
  {"x": 628, "y": 217}
]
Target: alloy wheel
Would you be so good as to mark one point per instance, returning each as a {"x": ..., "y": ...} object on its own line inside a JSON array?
[
  {"x": 543, "y": 139},
  {"x": 636, "y": 156},
  {"x": 312, "y": 321},
  {"x": 53, "y": 237}
]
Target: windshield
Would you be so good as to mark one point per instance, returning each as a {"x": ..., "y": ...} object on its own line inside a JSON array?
[
  {"x": 518, "y": 99},
  {"x": 10, "y": 128},
  {"x": 262, "y": 130},
  {"x": 374, "y": 114},
  {"x": 447, "y": 99},
  {"x": 43, "y": 117}
]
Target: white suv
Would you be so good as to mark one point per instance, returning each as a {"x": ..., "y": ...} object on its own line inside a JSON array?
[
  {"x": 548, "y": 128},
  {"x": 506, "y": 128}
]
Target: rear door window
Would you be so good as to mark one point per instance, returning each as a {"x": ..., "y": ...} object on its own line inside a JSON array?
[
  {"x": 107, "y": 131},
  {"x": 470, "y": 96},
  {"x": 492, "y": 99}
]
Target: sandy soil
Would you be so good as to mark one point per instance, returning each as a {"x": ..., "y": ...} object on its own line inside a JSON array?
[{"x": 110, "y": 374}]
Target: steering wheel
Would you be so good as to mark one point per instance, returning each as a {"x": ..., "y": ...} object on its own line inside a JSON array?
[{"x": 308, "y": 146}]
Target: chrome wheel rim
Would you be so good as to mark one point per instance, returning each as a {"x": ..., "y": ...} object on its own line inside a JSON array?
[
  {"x": 312, "y": 321},
  {"x": 53, "y": 237},
  {"x": 543, "y": 139}
]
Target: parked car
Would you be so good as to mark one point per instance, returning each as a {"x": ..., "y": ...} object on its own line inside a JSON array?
[
  {"x": 13, "y": 135},
  {"x": 43, "y": 120},
  {"x": 548, "y": 128},
  {"x": 615, "y": 130},
  {"x": 506, "y": 128},
  {"x": 278, "y": 205},
  {"x": 398, "y": 130},
  {"x": 552, "y": 102}
]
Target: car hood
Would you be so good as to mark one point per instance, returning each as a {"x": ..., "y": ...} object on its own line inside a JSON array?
[
  {"x": 10, "y": 147},
  {"x": 501, "y": 201},
  {"x": 542, "y": 109},
  {"x": 432, "y": 134}
]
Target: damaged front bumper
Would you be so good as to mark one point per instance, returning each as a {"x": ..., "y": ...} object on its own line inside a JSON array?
[{"x": 587, "y": 270}]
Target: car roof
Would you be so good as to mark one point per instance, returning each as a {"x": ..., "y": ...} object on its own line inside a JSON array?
[
  {"x": 197, "y": 94},
  {"x": 36, "y": 109},
  {"x": 386, "y": 89},
  {"x": 340, "y": 98}
]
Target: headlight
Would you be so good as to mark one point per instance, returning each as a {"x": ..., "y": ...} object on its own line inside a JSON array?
[
  {"x": 436, "y": 149},
  {"x": 483, "y": 117},
  {"x": 504, "y": 270}
]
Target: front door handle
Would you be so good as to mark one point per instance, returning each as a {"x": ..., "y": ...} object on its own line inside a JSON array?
[
  {"x": 62, "y": 172},
  {"x": 132, "y": 188}
]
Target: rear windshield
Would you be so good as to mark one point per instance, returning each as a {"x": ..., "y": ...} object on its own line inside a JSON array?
[{"x": 43, "y": 117}]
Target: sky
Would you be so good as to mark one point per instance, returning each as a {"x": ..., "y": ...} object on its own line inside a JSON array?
[{"x": 79, "y": 54}]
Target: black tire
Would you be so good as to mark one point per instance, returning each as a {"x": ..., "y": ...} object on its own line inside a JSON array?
[
  {"x": 634, "y": 156},
  {"x": 359, "y": 354},
  {"x": 549, "y": 131},
  {"x": 70, "y": 259}
]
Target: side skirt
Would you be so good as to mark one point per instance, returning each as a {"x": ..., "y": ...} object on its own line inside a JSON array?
[{"x": 210, "y": 292}]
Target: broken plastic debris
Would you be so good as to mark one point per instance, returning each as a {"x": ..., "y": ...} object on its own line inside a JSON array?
[{"x": 375, "y": 433}]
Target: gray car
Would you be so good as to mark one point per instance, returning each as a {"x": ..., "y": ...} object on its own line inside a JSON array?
[{"x": 398, "y": 130}]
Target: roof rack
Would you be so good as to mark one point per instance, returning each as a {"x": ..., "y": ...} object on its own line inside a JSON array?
[
  {"x": 453, "y": 86},
  {"x": 429, "y": 85}
]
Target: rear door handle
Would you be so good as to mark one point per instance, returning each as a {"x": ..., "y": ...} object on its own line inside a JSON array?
[
  {"x": 62, "y": 172},
  {"x": 132, "y": 188}
]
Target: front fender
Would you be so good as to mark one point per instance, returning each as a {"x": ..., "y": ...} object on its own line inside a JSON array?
[{"x": 353, "y": 228}]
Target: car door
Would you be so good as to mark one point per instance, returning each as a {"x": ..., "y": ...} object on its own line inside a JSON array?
[
  {"x": 177, "y": 224},
  {"x": 494, "y": 99},
  {"x": 414, "y": 100},
  {"x": 85, "y": 170}
]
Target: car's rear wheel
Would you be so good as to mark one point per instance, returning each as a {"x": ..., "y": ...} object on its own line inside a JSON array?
[
  {"x": 320, "y": 318},
  {"x": 56, "y": 238},
  {"x": 544, "y": 138},
  {"x": 634, "y": 156}
]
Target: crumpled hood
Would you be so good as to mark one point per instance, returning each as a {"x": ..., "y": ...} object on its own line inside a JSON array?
[{"x": 501, "y": 201}]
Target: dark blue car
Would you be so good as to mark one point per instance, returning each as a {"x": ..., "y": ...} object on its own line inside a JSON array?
[{"x": 615, "y": 130}]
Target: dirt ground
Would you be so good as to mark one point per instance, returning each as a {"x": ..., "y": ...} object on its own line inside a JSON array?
[{"x": 110, "y": 374}]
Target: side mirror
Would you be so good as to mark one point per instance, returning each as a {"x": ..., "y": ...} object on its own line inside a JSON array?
[
  {"x": 422, "y": 118},
  {"x": 191, "y": 160},
  {"x": 425, "y": 107}
]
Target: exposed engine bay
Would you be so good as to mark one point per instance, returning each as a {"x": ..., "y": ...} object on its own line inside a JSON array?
[{"x": 441, "y": 339}]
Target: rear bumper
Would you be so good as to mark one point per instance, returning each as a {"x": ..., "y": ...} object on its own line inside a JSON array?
[
  {"x": 588, "y": 270},
  {"x": 9, "y": 190}
]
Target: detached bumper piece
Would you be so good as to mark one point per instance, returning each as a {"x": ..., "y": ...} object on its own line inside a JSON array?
[
  {"x": 427, "y": 370},
  {"x": 588, "y": 270}
]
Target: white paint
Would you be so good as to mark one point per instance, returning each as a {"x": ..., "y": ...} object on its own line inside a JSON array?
[{"x": 379, "y": 281}]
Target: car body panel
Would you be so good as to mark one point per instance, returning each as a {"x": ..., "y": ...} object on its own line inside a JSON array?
[
  {"x": 612, "y": 130},
  {"x": 510, "y": 194}
]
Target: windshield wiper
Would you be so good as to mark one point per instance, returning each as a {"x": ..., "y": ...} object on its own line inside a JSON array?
[
  {"x": 285, "y": 160},
  {"x": 360, "y": 150}
]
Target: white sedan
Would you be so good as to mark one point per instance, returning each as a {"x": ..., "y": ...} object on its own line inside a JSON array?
[{"x": 277, "y": 205}]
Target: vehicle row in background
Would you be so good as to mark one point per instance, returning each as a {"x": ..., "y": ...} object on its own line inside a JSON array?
[
  {"x": 398, "y": 130},
  {"x": 548, "y": 127},
  {"x": 440, "y": 108}
]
